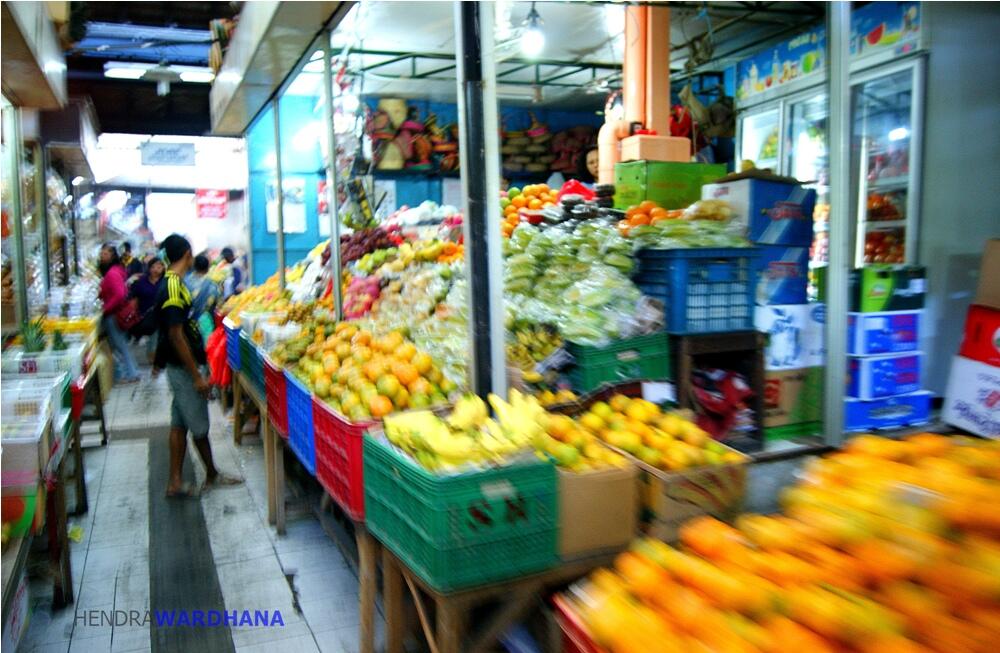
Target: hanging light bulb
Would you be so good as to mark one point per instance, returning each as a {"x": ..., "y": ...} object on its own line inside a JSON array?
[{"x": 533, "y": 38}]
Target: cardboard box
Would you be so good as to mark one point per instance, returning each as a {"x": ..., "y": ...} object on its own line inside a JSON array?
[
  {"x": 874, "y": 377},
  {"x": 670, "y": 184},
  {"x": 981, "y": 341},
  {"x": 671, "y": 498},
  {"x": 972, "y": 401},
  {"x": 793, "y": 396},
  {"x": 881, "y": 288},
  {"x": 794, "y": 335},
  {"x": 883, "y": 333},
  {"x": 891, "y": 412},
  {"x": 988, "y": 292},
  {"x": 598, "y": 510},
  {"x": 771, "y": 212},
  {"x": 782, "y": 274}
]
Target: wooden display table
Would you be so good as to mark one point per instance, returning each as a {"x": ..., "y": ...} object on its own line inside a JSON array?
[
  {"x": 503, "y": 604},
  {"x": 274, "y": 448}
]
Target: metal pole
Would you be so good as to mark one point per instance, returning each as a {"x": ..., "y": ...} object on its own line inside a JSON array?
[
  {"x": 281, "y": 196},
  {"x": 12, "y": 129},
  {"x": 333, "y": 202},
  {"x": 479, "y": 154},
  {"x": 838, "y": 44},
  {"x": 42, "y": 210}
]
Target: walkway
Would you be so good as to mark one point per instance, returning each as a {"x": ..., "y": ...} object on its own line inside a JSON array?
[{"x": 141, "y": 552}]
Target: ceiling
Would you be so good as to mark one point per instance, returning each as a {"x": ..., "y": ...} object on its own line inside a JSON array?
[{"x": 407, "y": 49}]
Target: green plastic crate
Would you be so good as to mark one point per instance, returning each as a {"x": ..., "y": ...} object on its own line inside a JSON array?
[
  {"x": 641, "y": 357},
  {"x": 252, "y": 363},
  {"x": 790, "y": 431},
  {"x": 463, "y": 530}
]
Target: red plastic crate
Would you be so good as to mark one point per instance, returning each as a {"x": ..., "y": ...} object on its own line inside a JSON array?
[
  {"x": 277, "y": 398},
  {"x": 339, "y": 461}
]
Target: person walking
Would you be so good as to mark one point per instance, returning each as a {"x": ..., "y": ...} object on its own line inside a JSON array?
[
  {"x": 133, "y": 266},
  {"x": 204, "y": 295},
  {"x": 181, "y": 351},
  {"x": 144, "y": 290},
  {"x": 114, "y": 296},
  {"x": 235, "y": 283}
]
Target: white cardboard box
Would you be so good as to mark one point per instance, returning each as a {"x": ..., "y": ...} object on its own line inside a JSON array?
[
  {"x": 794, "y": 335},
  {"x": 972, "y": 401}
]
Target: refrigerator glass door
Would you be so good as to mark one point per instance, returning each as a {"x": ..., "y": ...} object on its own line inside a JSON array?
[
  {"x": 882, "y": 137},
  {"x": 807, "y": 159},
  {"x": 760, "y": 139}
]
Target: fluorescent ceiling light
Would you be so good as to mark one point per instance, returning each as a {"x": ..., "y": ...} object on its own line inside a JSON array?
[
  {"x": 124, "y": 71},
  {"x": 517, "y": 92},
  {"x": 532, "y": 39},
  {"x": 197, "y": 76}
]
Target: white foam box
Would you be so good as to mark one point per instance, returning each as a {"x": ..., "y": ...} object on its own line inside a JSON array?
[
  {"x": 794, "y": 335},
  {"x": 972, "y": 401}
]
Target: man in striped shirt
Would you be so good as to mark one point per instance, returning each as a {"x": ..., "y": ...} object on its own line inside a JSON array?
[{"x": 181, "y": 352}]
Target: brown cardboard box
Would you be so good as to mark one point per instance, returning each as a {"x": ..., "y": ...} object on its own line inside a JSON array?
[
  {"x": 598, "y": 510},
  {"x": 672, "y": 498},
  {"x": 988, "y": 293},
  {"x": 793, "y": 396}
]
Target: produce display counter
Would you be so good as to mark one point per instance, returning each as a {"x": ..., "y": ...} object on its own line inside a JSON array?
[{"x": 507, "y": 602}]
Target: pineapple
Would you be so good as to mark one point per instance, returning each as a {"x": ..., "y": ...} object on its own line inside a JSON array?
[
  {"x": 33, "y": 336},
  {"x": 58, "y": 342}
]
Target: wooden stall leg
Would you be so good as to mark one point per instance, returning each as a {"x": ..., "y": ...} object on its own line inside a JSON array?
[
  {"x": 367, "y": 577},
  {"x": 95, "y": 392},
  {"x": 79, "y": 478},
  {"x": 237, "y": 410},
  {"x": 269, "y": 474},
  {"x": 450, "y": 625},
  {"x": 278, "y": 471},
  {"x": 392, "y": 603},
  {"x": 58, "y": 544}
]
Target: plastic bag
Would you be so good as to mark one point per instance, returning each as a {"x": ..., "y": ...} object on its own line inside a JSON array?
[{"x": 219, "y": 372}]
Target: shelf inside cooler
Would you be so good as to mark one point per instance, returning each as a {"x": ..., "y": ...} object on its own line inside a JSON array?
[
  {"x": 889, "y": 183},
  {"x": 885, "y": 224}
]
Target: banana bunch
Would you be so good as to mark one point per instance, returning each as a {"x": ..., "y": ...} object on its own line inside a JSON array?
[
  {"x": 531, "y": 344},
  {"x": 467, "y": 436},
  {"x": 404, "y": 256},
  {"x": 522, "y": 419}
]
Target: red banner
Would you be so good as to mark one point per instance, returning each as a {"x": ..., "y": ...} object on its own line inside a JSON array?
[{"x": 211, "y": 203}]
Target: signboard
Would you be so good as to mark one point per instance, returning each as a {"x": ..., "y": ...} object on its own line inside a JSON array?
[
  {"x": 892, "y": 27},
  {"x": 293, "y": 207},
  {"x": 167, "y": 154},
  {"x": 211, "y": 203}
]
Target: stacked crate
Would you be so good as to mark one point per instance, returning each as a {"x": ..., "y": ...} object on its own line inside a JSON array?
[
  {"x": 883, "y": 345},
  {"x": 776, "y": 215}
]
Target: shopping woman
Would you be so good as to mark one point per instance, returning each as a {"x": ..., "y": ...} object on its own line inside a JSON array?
[
  {"x": 114, "y": 296},
  {"x": 144, "y": 289}
]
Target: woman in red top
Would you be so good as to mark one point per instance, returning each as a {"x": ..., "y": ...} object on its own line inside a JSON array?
[{"x": 114, "y": 294}]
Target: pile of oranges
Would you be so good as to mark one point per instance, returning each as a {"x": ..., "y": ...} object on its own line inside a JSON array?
[
  {"x": 533, "y": 197},
  {"x": 646, "y": 212},
  {"x": 889, "y": 546},
  {"x": 362, "y": 376}
]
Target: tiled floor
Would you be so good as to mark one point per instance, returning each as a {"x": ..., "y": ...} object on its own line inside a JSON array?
[{"x": 302, "y": 574}]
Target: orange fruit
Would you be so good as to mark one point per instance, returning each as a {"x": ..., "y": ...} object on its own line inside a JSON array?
[
  {"x": 330, "y": 364},
  {"x": 535, "y": 204},
  {"x": 519, "y": 201},
  {"x": 379, "y": 406},
  {"x": 420, "y": 386},
  {"x": 406, "y": 351},
  {"x": 639, "y": 219},
  {"x": 647, "y": 205},
  {"x": 405, "y": 372},
  {"x": 632, "y": 210},
  {"x": 423, "y": 362},
  {"x": 362, "y": 337},
  {"x": 657, "y": 219},
  {"x": 548, "y": 204},
  {"x": 657, "y": 212},
  {"x": 402, "y": 398}
]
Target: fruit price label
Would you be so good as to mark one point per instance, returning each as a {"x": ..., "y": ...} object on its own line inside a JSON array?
[{"x": 28, "y": 366}]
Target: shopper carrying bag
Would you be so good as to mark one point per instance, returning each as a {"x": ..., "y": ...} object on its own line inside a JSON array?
[{"x": 119, "y": 313}]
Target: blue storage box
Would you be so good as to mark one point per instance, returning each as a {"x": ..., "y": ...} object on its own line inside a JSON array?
[
  {"x": 703, "y": 290},
  {"x": 301, "y": 434},
  {"x": 890, "y": 412},
  {"x": 781, "y": 274},
  {"x": 883, "y": 333},
  {"x": 774, "y": 212},
  {"x": 874, "y": 377}
]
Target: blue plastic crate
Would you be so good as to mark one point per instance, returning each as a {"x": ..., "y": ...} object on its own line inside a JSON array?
[
  {"x": 300, "y": 422},
  {"x": 703, "y": 290},
  {"x": 232, "y": 345}
]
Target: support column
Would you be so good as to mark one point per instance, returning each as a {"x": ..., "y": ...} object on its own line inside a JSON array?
[
  {"x": 333, "y": 201},
  {"x": 281, "y": 195},
  {"x": 838, "y": 50},
  {"x": 479, "y": 152}
]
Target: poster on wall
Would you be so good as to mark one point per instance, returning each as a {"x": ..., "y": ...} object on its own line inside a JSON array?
[
  {"x": 385, "y": 197},
  {"x": 294, "y": 205},
  {"x": 792, "y": 60},
  {"x": 880, "y": 26},
  {"x": 210, "y": 203}
]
